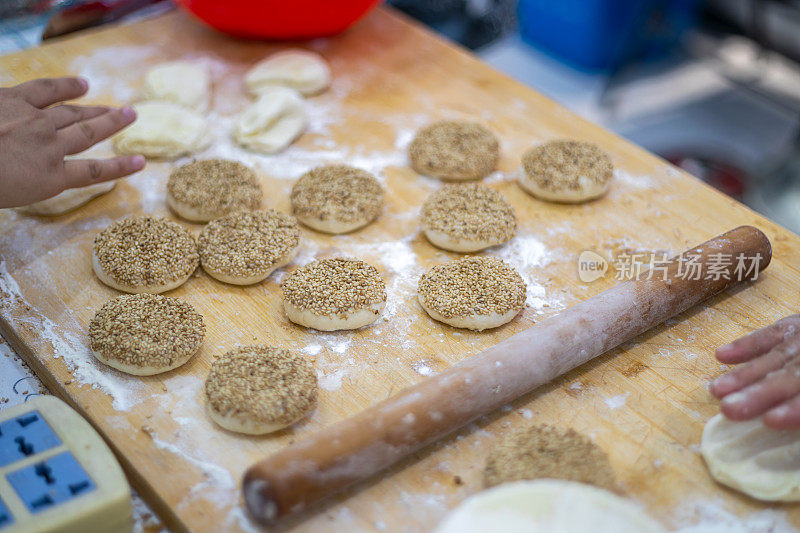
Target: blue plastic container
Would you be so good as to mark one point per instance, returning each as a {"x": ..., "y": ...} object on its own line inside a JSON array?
[{"x": 601, "y": 35}]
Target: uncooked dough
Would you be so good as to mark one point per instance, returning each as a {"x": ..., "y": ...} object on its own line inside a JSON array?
[
  {"x": 67, "y": 200},
  {"x": 163, "y": 130},
  {"x": 748, "y": 456},
  {"x": 334, "y": 294},
  {"x": 181, "y": 82},
  {"x": 566, "y": 171},
  {"x": 547, "y": 506},
  {"x": 271, "y": 124},
  {"x": 301, "y": 70},
  {"x": 454, "y": 150},
  {"x": 260, "y": 389}
]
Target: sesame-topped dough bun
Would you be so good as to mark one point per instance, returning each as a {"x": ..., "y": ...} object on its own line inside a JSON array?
[
  {"x": 454, "y": 150},
  {"x": 337, "y": 198},
  {"x": 260, "y": 389},
  {"x": 145, "y": 334},
  {"x": 566, "y": 171},
  {"x": 474, "y": 293},
  {"x": 246, "y": 247},
  {"x": 210, "y": 188},
  {"x": 144, "y": 254},
  {"x": 333, "y": 294},
  {"x": 467, "y": 217}
]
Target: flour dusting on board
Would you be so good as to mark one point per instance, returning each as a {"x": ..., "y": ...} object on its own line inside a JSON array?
[{"x": 712, "y": 517}]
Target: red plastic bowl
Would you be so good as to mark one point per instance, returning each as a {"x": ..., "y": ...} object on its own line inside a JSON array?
[{"x": 279, "y": 19}]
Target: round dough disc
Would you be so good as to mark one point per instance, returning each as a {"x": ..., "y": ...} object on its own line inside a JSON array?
[
  {"x": 144, "y": 254},
  {"x": 163, "y": 130},
  {"x": 566, "y": 171},
  {"x": 467, "y": 217},
  {"x": 181, "y": 82},
  {"x": 67, "y": 200},
  {"x": 334, "y": 294},
  {"x": 547, "y": 506},
  {"x": 301, "y": 70},
  {"x": 246, "y": 247},
  {"x": 750, "y": 457},
  {"x": 273, "y": 122},
  {"x": 145, "y": 334},
  {"x": 475, "y": 293},
  {"x": 337, "y": 199},
  {"x": 206, "y": 189},
  {"x": 259, "y": 389},
  {"x": 454, "y": 150}
]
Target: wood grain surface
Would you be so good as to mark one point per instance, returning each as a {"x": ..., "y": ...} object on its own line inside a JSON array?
[{"x": 645, "y": 404}]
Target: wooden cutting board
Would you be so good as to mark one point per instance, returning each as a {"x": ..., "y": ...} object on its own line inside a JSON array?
[{"x": 645, "y": 404}]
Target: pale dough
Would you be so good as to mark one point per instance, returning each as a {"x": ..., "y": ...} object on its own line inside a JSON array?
[
  {"x": 163, "y": 130},
  {"x": 473, "y": 322},
  {"x": 271, "y": 124},
  {"x": 181, "y": 82},
  {"x": 547, "y": 506},
  {"x": 150, "y": 289},
  {"x": 444, "y": 241},
  {"x": 351, "y": 320},
  {"x": 748, "y": 456},
  {"x": 67, "y": 200},
  {"x": 306, "y": 72}
]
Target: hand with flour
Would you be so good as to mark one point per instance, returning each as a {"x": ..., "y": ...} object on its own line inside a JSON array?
[
  {"x": 37, "y": 131},
  {"x": 768, "y": 381}
]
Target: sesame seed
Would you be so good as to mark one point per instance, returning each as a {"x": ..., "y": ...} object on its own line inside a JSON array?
[
  {"x": 471, "y": 212},
  {"x": 248, "y": 243},
  {"x": 215, "y": 187},
  {"x": 454, "y": 150},
  {"x": 144, "y": 251},
  {"x": 334, "y": 287},
  {"x": 560, "y": 165},
  {"x": 472, "y": 286},
  {"x": 262, "y": 384},
  {"x": 338, "y": 192},
  {"x": 146, "y": 330}
]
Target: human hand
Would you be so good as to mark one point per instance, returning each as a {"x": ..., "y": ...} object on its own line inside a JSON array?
[
  {"x": 34, "y": 139},
  {"x": 768, "y": 382}
]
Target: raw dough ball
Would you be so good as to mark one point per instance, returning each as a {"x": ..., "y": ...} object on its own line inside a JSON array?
[
  {"x": 181, "y": 82},
  {"x": 145, "y": 334},
  {"x": 210, "y": 188},
  {"x": 467, "y": 218},
  {"x": 163, "y": 130},
  {"x": 547, "y": 506},
  {"x": 246, "y": 247},
  {"x": 475, "y": 293},
  {"x": 549, "y": 452},
  {"x": 259, "y": 389},
  {"x": 337, "y": 198},
  {"x": 454, "y": 150},
  {"x": 566, "y": 171},
  {"x": 748, "y": 456},
  {"x": 144, "y": 254},
  {"x": 303, "y": 71},
  {"x": 333, "y": 294},
  {"x": 67, "y": 200},
  {"x": 269, "y": 125}
]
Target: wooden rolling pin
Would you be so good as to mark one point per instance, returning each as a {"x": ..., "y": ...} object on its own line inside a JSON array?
[{"x": 358, "y": 447}]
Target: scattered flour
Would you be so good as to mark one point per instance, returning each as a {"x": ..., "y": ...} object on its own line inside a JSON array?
[
  {"x": 712, "y": 517},
  {"x": 615, "y": 402}
]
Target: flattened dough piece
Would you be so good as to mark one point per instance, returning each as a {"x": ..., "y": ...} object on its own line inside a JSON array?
[
  {"x": 260, "y": 389},
  {"x": 163, "y": 130},
  {"x": 306, "y": 72},
  {"x": 334, "y": 294},
  {"x": 454, "y": 150},
  {"x": 145, "y": 334},
  {"x": 67, "y": 200},
  {"x": 475, "y": 293},
  {"x": 273, "y": 122},
  {"x": 181, "y": 82},
  {"x": 748, "y": 456},
  {"x": 547, "y": 506},
  {"x": 566, "y": 171}
]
